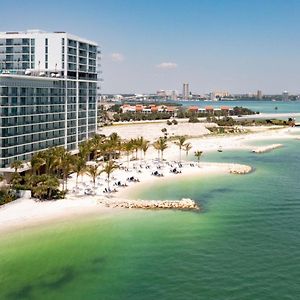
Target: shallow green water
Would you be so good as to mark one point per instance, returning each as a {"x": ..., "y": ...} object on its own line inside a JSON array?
[{"x": 245, "y": 244}]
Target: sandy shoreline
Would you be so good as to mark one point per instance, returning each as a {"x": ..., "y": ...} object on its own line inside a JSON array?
[{"x": 27, "y": 212}]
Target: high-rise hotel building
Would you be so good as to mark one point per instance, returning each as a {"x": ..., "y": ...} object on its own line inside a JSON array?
[
  {"x": 48, "y": 92},
  {"x": 185, "y": 91}
]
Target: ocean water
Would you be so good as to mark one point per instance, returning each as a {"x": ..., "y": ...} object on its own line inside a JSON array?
[
  {"x": 244, "y": 244},
  {"x": 261, "y": 105}
]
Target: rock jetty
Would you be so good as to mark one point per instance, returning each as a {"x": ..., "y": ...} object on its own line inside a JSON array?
[
  {"x": 184, "y": 204},
  {"x": 268, "y": 148},
  {"x": 240, "y": 169}
]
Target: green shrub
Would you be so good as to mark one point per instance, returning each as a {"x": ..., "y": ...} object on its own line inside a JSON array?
[
  {"x": 7, "y": 195},
  {"x": 193, "y": 119}
]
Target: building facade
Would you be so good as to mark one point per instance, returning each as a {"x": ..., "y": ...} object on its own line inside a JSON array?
[{"x": 48, "y": 92}]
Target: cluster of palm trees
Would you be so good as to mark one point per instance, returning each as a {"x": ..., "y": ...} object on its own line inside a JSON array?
[
  {"x": 161, "y": 145},
  {"x": 53, "y": 166}
]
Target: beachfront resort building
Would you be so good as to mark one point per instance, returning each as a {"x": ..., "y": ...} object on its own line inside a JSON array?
[
  {"x": 139, "y": 108},
  {"x": 48, "y": 92}
]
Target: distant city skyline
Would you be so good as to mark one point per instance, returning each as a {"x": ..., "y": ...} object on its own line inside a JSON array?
[{"x": 238, "y": 46}]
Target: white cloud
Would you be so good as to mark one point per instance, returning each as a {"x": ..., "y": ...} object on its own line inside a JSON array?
[
  {"x": 167, "y": 65},
  {"x": 117, "y": 57}
]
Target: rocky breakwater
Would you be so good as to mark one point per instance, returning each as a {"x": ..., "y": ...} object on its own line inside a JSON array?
[
  {"x": 268, "y": 148},
  {"x": 184, "y": 204},
  {"x": 240, "y": 169}
]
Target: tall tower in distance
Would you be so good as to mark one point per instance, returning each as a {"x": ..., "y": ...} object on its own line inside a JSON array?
[
  {"x": 259, "y": 95},
  {"x": 285, "y": 96},
  {"x": 185, "y": 91}
]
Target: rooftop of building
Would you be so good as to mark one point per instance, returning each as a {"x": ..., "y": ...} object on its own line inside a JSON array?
[{"x": 34, "y": 32}]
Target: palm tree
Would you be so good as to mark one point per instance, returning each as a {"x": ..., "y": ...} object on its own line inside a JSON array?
[
  {"x": 109, "y": 167},
  {"x": 161, "y": 145},
  {"x": 187, "y": 148},
  {"x": 67, "y": 167},
  {"x": 180, "y": 143},
  {"x": 51, "y": 159},
  {"x": 93, "y": 171},
  {"x": 114, "y": 143},
  {"x": 85, "y": 148},
  {"x": 145, "y": 147},
  {"x": 96, "y": 145},
  {"x": 115, "y": 138},
  {"x": 156, "y": 147},
  {"x": 198, "y": 154},
  {"x": 16, "y": 165},
  {"x": 63, "y": 163},
  {"x": 127, "y": 146},
  {"x": 135, "y": 147},
  {"x": 36, "y": 163},
  {"x": 79, "y": 167},
  {"x": 139, "y": 143},
  {"x": 43, "y": 186}
]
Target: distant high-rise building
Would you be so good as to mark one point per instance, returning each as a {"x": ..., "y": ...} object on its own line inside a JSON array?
[
  {"x": 221, "y": 94},
  {"x": 259, "y": 94},
  {"x": 174, "y": 95},
  {"x": 161, "y": 93},
  {"x": 185, "y": 91},
  {"x": 285, "y": 96},
  {"x": 212, "y": 96}
]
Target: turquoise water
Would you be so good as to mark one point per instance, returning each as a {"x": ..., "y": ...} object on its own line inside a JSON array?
[
  {"x": 244, "y": 244},
  {"x": 261, "y": 106}
]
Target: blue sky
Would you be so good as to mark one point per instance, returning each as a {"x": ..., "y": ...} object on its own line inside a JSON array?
[{"x": 234, "y": 45}]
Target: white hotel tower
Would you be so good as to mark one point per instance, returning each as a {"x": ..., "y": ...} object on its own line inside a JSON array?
[{"x": 48, "y": 92}]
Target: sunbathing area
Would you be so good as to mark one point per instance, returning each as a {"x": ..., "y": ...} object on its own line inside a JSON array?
[
  {"x": 144, "y": 171},
  {"x": 107, "y": 171}
]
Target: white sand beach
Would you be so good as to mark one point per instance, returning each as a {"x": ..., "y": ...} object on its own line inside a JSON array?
[{"x": 26, "y": 212}]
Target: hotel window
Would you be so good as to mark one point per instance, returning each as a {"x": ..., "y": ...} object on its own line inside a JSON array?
[{"x": 25, "y": 41}]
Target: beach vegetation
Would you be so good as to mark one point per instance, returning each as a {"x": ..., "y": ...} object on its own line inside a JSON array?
[
  {"x": 79, "y": 167},
  {"x": 181, "y": 112},
  {"x": 16, "y": 165},
  {"x": 127, "y": 147},
  {"x": 7, "y": 195},
  {"x": 109, "y": 168},
  {"x": 140, "y": 116},
  {"x": 180, "y": 142},
  {"x": 193, "y": 119},
  {"x": 93, "y": 171},
  {"x": 187, "y": 147},
  {"x": 45, "y": 187},
  {"x": 145, "y": 146},
  {"x": 160, "y": 145},
  {"x": 198, "y": 155}
]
